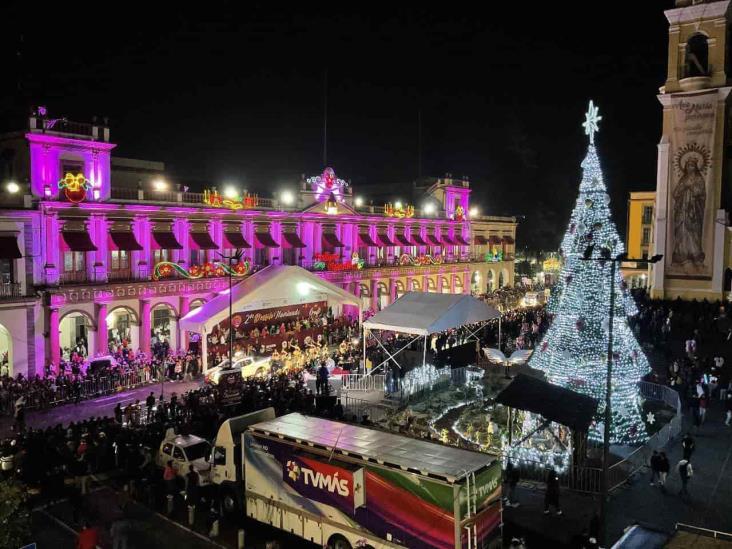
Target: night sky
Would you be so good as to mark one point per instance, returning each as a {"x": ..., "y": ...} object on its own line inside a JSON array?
[{"x": 233, "y": 91}]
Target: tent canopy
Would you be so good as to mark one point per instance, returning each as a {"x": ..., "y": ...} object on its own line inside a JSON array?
[
  {"x": 273, "y": 286},
  {"x": 552, "y": 402},
  {"x": 423, "y": 313}
]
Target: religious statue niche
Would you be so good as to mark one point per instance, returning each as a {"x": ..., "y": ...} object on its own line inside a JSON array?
[
  {"x": 327, "y": 186},
  {"x": 75, "y": 187},
  {"x": 689, "y": 204}
]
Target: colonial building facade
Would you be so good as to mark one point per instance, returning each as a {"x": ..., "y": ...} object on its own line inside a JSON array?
[{"x": 85, "y": 259}]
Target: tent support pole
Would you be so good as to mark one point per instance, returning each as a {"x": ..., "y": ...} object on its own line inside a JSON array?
[
  {"x": 500, "y": 317},
  {"x": 365, "y": 335},
  {"x": 204, "y": 352},
  {"x": 424, "y": 351}
]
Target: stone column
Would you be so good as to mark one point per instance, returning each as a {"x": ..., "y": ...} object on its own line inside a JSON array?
[
  {"x": 425, "y": 283},
  {"x": 185, "y": 307},
  {"x": 466, "y": 282},
  {"x": 145, "y": 326},
  {"x": 452, "y": 283},
  {"x": 374, "y": 295},
  {"x": 102, "y": 333},
  {"x": 54, "y": 337},
  {"x": 392, "y": 290}
]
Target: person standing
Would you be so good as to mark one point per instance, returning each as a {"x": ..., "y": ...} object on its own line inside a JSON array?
[
  {"x": 688, "y": 446},
  {"x": 728, "y": 407},
  {"x": 702, "y": 409},
  {"x": 513, "y": 476},
  {"x": 685, "y": 473},
  {"x": 551, "y": 499},
  {"x": 655, "y": 467},
  {"x": 150, "y": 404},
  {"x": 663, "y": 468},
  {"x": 191, "y": 487}
]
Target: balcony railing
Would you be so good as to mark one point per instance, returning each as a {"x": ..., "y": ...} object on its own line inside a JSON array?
[
  {"x": 10, "y": 289},
  {"x": 75, "y": 277}
]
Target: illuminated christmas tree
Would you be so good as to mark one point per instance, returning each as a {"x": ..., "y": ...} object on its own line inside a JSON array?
[{"x": 573, "y": 353}]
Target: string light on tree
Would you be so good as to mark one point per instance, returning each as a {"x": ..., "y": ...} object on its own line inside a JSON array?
[{"x": 573, "y": 353}]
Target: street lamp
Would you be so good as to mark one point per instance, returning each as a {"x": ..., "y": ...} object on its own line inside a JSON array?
[
  {"x": 237, "y": 255},
  {"x": 606, "y": 255}
]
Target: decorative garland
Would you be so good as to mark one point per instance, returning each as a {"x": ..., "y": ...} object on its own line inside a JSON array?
[
  {"x": 332, "y": 262},
  {"x": 165, "y": 269},
  {"x": 406, "y": 259}
]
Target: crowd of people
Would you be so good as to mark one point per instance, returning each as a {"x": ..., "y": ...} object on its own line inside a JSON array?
[{"x": 74, "y": 380}]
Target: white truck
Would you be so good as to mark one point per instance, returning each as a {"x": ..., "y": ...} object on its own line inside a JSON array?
[{"x": 345, "y": 486}]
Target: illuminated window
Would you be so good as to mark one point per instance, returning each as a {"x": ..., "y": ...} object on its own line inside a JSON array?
[
  {"x": 646, "y": 236},
  {"x": 119, "y": 260},
  {"x": 74, "y": 262},
  {"x": 647, "y": 215}
]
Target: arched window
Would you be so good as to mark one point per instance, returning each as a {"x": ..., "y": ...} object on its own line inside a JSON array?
[{"x": 697, "y": 56}]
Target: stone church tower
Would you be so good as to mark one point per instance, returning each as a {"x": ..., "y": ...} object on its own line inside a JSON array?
[{"x": 693, "y": 184}]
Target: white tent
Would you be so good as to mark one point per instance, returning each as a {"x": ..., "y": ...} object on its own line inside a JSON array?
[
  {"x": 422, "y": 314},
  {"x": 273, "y": 286}
]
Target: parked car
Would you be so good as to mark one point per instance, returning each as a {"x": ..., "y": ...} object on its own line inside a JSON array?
[{"x": 249, "y": 367}]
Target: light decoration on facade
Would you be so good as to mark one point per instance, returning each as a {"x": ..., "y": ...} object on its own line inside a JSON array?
[
  {"x": 551, "y": 265},
  {"x": 327, "y": 186},
  {"x": 331, "y": 205},
  {"x": 494, "y": 257},
  {"x": 573, "y": 352},
  {"x": 459, "y": 214},
  {"x": 333, "y": 262},
  {"x": 398, "y": 210},
  {"x": 166, "y": 269},
  {"x": 217, "y": 200},
  {"x": 75, "y": 187},
  {"x": 407, "y": 259}
]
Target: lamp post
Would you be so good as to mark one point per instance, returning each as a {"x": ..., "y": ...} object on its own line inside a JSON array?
[
  {"x": 606, "y": 255},
  {"x": 236, "y": 256}
]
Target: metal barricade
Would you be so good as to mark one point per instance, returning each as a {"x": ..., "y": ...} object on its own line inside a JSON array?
[{"x": 360, "y": 382}]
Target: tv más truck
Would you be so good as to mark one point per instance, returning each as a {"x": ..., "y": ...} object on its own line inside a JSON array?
[{"x": 348, "y": 486}]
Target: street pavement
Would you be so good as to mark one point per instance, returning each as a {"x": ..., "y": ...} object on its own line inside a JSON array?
[
  {"x": 102, "y": 406},
  {"x": 710, "y": 504}
]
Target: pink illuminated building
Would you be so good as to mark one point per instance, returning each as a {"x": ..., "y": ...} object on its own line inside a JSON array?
[{"x": 86, "y": 255}]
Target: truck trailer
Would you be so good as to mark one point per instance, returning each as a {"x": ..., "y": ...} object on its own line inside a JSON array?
[{"x": 346, "y": 486}]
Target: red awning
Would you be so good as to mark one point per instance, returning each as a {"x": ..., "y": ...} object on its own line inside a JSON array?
[
  {"x": 432, "y": 239},
  {"x": 291, "y": 240},
  {"x": 236, "y": 240},
  {"x": 493, "y": 239},
  {"x": 447, "y": 240},
  {"x": 330, "y": 240},
  {"x": 508, "y": 239},
  {"x": 9, "y": 247},
  {"x": 479, "y": 240},
  {"x": 383, "y": 238},
  {"x": 418, "y": 240},
  {"x": 264, "y": 240},
  {"x": 124, "y": 240},
  {"x": 203, "y": 241},
  {"x": 78, "y": 241},
  {"x": 403, "y": 240},
  {"x": 166, "y": 240},
  {"x": 366, "y": 240},
  {"x": 460, "y": 241}
]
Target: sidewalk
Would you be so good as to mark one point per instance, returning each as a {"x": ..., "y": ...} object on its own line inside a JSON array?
[{"x": 710, "y": 505}]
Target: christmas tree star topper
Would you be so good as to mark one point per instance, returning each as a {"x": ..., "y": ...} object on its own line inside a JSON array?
[{"x": 592, "y": 118}]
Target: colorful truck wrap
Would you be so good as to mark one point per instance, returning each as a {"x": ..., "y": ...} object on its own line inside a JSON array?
[{"x": 401, "y": 508}]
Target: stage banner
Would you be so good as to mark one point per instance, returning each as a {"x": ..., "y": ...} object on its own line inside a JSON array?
[
  {"x": 248, "y": 320},
  {"x": 690, "y": 224}
]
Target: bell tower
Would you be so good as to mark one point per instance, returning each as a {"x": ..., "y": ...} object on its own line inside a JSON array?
[{"x": 693, "y": 154}]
